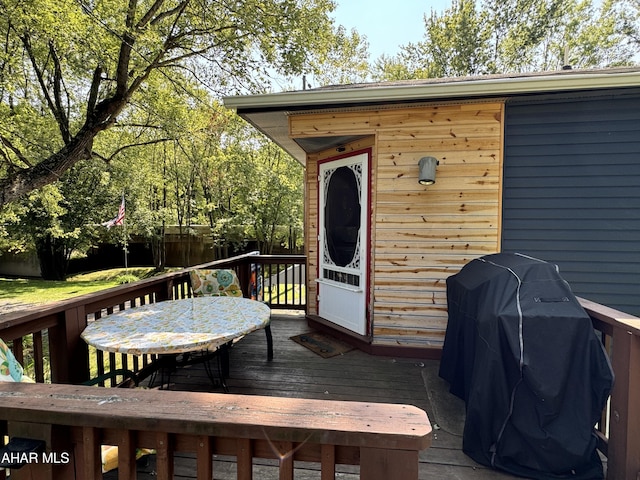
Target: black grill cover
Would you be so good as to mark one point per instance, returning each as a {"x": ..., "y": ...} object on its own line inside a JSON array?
[{"x": 522, "y": 353}]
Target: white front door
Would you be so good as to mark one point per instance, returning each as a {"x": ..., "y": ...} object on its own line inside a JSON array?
[{"x": 344, "y": 241}]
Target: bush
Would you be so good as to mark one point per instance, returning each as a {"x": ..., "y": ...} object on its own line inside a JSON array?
[{"x": 127, "y": 278}]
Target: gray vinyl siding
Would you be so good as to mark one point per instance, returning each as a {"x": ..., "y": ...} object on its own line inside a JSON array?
[{"x": 571, "y": 191}]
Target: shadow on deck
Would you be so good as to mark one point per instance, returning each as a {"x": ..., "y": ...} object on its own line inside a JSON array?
[{"x": 354, "y": 376}]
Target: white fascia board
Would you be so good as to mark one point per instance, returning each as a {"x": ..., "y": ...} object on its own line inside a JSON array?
[{"x": 472, "y": 88}]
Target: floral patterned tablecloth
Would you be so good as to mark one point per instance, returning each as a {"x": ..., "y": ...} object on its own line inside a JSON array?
[{"x": 177, "y": 326}]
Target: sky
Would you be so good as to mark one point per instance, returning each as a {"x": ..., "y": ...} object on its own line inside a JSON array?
[{"x": 387, "y": 24}]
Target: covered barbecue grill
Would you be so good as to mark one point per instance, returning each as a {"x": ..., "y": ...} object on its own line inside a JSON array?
[{"x": 522, "y": 353}]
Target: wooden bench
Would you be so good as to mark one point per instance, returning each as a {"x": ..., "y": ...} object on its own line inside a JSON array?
[{"x": 384, "y": 439}]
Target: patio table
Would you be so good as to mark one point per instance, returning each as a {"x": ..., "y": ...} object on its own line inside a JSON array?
[{"x": 175, "y": 327}]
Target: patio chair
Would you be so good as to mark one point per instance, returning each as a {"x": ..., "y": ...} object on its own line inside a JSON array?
[
  {"x": 223, "y": 282},
  {"x": 12, "y": 371},
  {"x": 217, "y": 282},
  {"x": 10, "y": 368}
]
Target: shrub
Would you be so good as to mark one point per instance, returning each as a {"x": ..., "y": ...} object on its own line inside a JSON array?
[{"x": 127, "y": 278}]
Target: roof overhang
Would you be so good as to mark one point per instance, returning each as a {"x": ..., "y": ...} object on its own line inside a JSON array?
[{"x": 269, "y": 112}]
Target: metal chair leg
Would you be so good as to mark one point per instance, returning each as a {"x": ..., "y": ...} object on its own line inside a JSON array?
[
  {"x": 267, "y": 331},
  {"x": 223, "y": 366},
  {"x": 220, "y": 379}
]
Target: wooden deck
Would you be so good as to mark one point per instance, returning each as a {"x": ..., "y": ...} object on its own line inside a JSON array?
[{"x": 297, "y": 372}]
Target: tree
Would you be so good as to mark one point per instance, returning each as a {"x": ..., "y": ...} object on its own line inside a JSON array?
[
  {"x": 63, "y": 217},
  {"x": 347, "y": 61},
  {"x": 629, "y": 11},
  {"x": 457, "y": 43},
  {"x": 517, "y": 28},
  {"x": 275, "y": 201},
  {"x": 76, "y": 66},
  {"x": 515, "y": 36}
]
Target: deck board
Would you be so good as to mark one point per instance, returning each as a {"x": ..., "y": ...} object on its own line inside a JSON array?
[{"x": 297, "y": 372}]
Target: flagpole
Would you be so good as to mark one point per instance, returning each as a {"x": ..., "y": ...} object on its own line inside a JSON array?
[
  {"x": 126, "y": 250},
  {"x": 126, "y": 243},
  {"x": 120, "y": 220}
]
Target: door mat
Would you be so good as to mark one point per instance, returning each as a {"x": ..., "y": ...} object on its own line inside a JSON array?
[{"x": 324, "y": 345}]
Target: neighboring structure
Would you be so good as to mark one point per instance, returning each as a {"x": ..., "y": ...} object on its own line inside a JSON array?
[
  {"x": 545, "y": 164},
  {"x": 19, "y": 264}
]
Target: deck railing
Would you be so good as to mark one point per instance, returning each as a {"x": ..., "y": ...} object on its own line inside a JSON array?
[
  {"x": 50, "y": 334},
  {"x": 74, "y": 421},
  {"x": 620, "y": 425}
]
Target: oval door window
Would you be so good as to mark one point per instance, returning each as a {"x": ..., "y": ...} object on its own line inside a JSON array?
[{"x": 342, "y": 216}]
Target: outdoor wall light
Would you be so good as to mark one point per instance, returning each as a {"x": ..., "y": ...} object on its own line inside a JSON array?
[{"x": 427, "y": 173}]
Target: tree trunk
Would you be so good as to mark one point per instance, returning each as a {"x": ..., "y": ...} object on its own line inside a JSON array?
[
  {"x": 52, "y": 258},
  {"x": 158, "y": 249}
]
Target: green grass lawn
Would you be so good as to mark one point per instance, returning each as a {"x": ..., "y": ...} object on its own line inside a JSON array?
[
  {"x": 280, "y": 294},
  {"x": 36, "y": 291}
]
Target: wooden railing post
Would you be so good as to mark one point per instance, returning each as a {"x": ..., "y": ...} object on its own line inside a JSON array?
[
  {"x": 203, "y": 458},
  {"x": 624, "y": 430},
  {"x": 69, "y": 354},
  {"x": 382, "y": 464},
  {"x": 328, "y": 462},
  {"x": 244, "y": 275},
  {"x": 245, "y": 459},
  {"x": 164, "y": 456},
  {"x": 166, "y": 292},
  {"x": 126, "y": 455},
  {"x": 88, "y": 457}
]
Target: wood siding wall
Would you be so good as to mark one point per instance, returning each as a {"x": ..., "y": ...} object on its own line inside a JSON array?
[
  {"x": 421, "y": 235},
  {"x": 571, "y": 193}
]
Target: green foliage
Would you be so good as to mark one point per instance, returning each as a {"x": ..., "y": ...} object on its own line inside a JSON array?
[
  {"x": 346, "y": 61},
  {"x": 273, "y": 197},
  {"x": 104, "y": 97},
  {"x": 202, "y": 165},
  {"x": 461, "y": 30},
  {"x": 629, "y": 12},
  {"x": 512, "y": 36},
  {"x": 392, "y": 68},
  {"x": 71, "y": 69},
  {"x": 60, "y": 218},
  {"x": 123, "y": 279}
]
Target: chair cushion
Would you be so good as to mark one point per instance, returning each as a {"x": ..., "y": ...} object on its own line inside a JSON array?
[
  {"x": 217, "y": 282},
  {"x": 10, "y": 369},
  {"x": 109, "y": 456}
]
